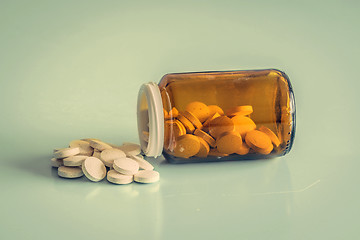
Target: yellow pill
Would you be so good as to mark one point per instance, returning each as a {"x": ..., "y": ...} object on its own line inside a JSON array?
[
  {"x": 186, "y": 146},
  {"x": 204, "y": 148},
  {"x": 240, "y": 110},
  {"x": 243, "y": 124},
  {"x": 243, "y": 150},
  {"x": 274, "y": 139},
  {"x": 199, "y": 109},
  {"x": 258, "y": 140},
  {"x": 187, "y": 124},
  {"x": 220, "y": 125},
  {"x": 229, "y": 142},
  {"x": 215, "y": 109},
  {"x": 209, "y": 139},
  {"x": 193, "y": 119},
  {"x": 173, "y": 113}
]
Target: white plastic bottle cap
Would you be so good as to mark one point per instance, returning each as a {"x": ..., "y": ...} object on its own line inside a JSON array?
[{"x": 150, "y": 119}]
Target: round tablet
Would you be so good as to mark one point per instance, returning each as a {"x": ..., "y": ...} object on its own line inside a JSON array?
[
  {"x": 220, "y": 125},
  {"x": 258, "y": 140},
  {"x": 130, "y": 148},
  {"x": 66, "y": 152},
  {"x": 215, "y": 109},
  {"x": 172, "y": 130},
  {"x": 207, "y": 122},
  {"x": 173, "y": 113},
  {"x": 126, "y": 166},
  {"x": 143, "y": 164},
  {"x": 70, "y": 172},
  {"x": 243, "y": 149},
  {"x": 74, "y": 161},
  {"x": 118, "y": 178},
  {"x": 193, "y": 119},
  {"x": 147, "y": 176},
  {"x": 209, "y": 139},
  {"x": 186, "y": 123},
  {"x": 243, "y": 124},
  {"x": 99, "y": 145},
  {"x": 166, "y": 114},
  {"x": 109, "y": 155},
  {"x": 240, "y": 110},
  {"x": 186, "y": 146},
  {"x": 96, "y": 154},
  {"x": 265, "y": 151},
  {"x": 84, "y": 146},
  {"x": 274, "y": 139},
  {"x": 228, "y": 142},
  {"x": 94, "y": 169},
  {"x": 56, "y": 162},
  {"x": 199, "y": 109},
  {"x": 204, "y": 148},
  {"x": 57, "y": 149},
  {"x": 214, "y": 152}
]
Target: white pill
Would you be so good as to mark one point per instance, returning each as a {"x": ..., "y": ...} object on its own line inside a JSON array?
[
  {"x": 99, "y": 145},
  {"x": 88, "y": 139},
  {"x": 96, "y": 154},
  {"x": 130, "y": 148},
  {"x": 143, "y": 164},
  {"x": 56, "y": 162},
  {"x": 70, "y": 172},
  {"x": 74, "y": 161},
  {"x": 94, "y": 169},
  {"x": 126, "y": 166},
  {"x": 57, "y": 149},
  {"x": 109, "y": 155},
  {"x": 146, "y": 176},
  {"x": 118, "y": 178},
  {"x": 66, "y": 152},
  {"x": 85, "y": 148}
]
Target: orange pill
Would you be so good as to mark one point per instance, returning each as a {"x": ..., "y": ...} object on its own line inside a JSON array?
[
  {"x": 204, "y": 148},
  {"x": 243, "y": 124},
  {"x": 181, "y": 126},
  {"x": 274, "y": 139},
  {"x": 207, "y": 122},
  {"x": 186, "y": 146},
  {"x": 173, "y": 113},
  {"x": 193, "y": 119},
  {"x": 199, "y": 109},
  {"x": 240, "y": 110},
  {"x": 243, "y": 150},
  {"x": 220, "y": 125},
  {"x": 187, "y": 124},
  {"x": 214, "y": 152},
  {"x": 265, "y": 151},
  {"x": 209, "y": 139},
  {"x": 228, "y": 142},
  {"x": 172, "y": 130},
  {"x": 215, "y": 109},
  {"x": 166, "y": 114},
  {"x": 258, "y": 140}
]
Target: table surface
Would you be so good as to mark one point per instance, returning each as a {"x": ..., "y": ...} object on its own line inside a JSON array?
[{"x": 72, "y": 69}]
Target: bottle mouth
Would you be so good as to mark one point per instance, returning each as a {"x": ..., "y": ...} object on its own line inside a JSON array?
[{"x": 150, "y": 119}]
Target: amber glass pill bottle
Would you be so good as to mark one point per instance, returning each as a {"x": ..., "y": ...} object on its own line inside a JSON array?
[{"x": 217, "y": 116}]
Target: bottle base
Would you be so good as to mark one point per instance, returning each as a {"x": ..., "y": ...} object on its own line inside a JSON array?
[{"x": 232, "y": 157}]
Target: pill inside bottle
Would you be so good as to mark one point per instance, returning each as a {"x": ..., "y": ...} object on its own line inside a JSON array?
[{"x": 239, "y": 115}]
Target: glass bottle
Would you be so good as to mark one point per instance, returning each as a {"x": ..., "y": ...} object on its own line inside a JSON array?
[{"x": 217, "y": 116}]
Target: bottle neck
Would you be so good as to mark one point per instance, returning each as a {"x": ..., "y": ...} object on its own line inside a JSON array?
[{"x": 150, "y": 119}]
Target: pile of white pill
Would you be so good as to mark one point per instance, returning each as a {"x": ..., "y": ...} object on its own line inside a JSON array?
[{"x": 96, "y": 160}]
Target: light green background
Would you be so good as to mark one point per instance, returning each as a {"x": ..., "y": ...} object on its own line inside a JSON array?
[{"x": 72, "y": 69}]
